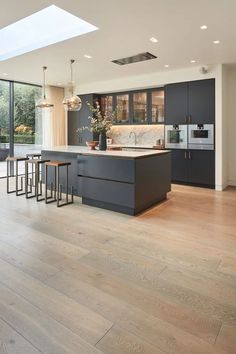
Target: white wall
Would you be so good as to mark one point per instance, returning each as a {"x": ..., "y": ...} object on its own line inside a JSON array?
[
  {"x": 230, "y": 101},
  {"x": 170, "y": 76}
]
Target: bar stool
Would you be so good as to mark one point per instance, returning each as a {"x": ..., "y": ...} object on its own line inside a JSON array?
[
  {"x": 15, "y": 161},
  {"x": 33, "y": 156},
  {"x": 36, "y": 180},
  {"x": 57, "y": 186}
]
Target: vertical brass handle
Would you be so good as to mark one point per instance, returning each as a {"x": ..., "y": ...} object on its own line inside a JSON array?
[
  {"x": 189, "y": 155},
  {"x": 189, "y": 118},
  {"x": 185, "y": 155},
  {"x": 186, "y": 119}
]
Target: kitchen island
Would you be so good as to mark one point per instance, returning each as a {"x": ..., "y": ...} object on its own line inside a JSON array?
[{"x": 123, "y": 181}]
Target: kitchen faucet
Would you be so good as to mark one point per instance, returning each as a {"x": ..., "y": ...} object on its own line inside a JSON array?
[{"x": 135, "y": 137}]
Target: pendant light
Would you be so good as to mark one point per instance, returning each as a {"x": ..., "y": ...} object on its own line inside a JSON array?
[
  {"x": 72, "y": 103},
  {"x": 44, "y": 101}
]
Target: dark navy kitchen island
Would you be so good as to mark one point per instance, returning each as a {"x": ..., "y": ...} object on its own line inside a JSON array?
[{"x": 123, "y": 181}]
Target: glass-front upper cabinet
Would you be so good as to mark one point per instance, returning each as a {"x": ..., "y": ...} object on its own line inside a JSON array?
[
  {"x": 157, "y": 107},
  {"x": 140, "y": 107},
  {"x": 122, "y": 107},
  {"x": 107, "y": 104}
]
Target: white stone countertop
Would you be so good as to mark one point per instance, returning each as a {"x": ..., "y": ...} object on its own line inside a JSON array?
[
  {"x": 120, "y": 153},
  {"x": 138, "y": 146}
]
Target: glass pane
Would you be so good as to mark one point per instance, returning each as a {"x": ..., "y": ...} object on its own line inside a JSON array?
[
  {"x": 107, "y": 104},
  {"x": 27, "y": 126},
  {"x": 158, "y": 106},
  {"x": 122, "y": 108},
  {"x": 4, "y": 125},
  {"x": 140, "y": 107}
]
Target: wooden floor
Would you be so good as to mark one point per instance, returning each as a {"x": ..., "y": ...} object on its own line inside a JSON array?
[{"x": 84, "y": 280}]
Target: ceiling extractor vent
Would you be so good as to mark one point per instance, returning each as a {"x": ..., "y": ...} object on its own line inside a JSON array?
[{"x": 134, "y": 59}]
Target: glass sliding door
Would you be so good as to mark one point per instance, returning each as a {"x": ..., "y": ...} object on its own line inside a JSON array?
[
  {"x": 27, "y": 125},
  {"x": 4, "y": 125},
  {"x": 20, "y": 123}
]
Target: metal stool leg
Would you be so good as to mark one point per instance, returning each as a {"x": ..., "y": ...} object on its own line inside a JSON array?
[{"x": 18, "y": 190}]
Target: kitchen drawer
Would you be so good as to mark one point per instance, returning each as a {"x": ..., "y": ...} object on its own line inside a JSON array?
[
  {"x": 109, "y": 168},
  {"x": 112, "y": 192}
]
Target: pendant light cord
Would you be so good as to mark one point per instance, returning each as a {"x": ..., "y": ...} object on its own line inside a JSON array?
[
  {"x": 44, "y": 82},
  {"x": 71, "y": 75}
]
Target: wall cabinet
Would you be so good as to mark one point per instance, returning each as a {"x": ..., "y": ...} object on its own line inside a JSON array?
[
  {"x": 80, "y": 119},
  {"x": 193, "y": 167},
  {"x": 190, "y": 102},
  {"x": 136, "y": 107}
]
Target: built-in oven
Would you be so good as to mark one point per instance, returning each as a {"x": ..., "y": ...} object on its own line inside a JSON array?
[
  {"x": 176, "y": 136},
  {"x": 201, "y": 136}
]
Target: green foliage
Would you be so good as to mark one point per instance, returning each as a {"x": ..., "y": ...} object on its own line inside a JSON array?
[{"x": 24, "y": 105}]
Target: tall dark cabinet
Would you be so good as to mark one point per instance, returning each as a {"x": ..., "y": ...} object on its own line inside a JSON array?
[
  {"x": 191, "y": 103},
  {"x": 80, "y": 119},
  {"x": 176, "y": 103}
]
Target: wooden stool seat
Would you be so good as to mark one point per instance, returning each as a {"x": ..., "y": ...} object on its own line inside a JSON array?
[
  {"x": 58, "y": 163},
  {"x": 36, "y": 161},
  {"x": 33, "y": 155},
  {"x": 17, "y": 158}
]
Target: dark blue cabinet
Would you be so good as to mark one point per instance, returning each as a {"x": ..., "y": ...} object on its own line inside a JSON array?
[
  {"x": 194, "y": 167},
  {"x": 190, "y": 102},
  {"x": 176, "y": 103},
  {"x": 201, "y": 102}
]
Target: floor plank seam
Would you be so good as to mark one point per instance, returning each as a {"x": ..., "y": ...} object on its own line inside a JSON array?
[
  {"x": 105, "y": 334},
  {"x": 45, "y": 313},
  {"x": 218, "y": 334},
  {"x": 20, "y": 334}
]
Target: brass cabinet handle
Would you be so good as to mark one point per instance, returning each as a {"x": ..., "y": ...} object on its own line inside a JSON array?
[
  {"x": 185, "y": 155},
  {"x": 189, "y": 118},
  {"x": 189, "y": 155}
]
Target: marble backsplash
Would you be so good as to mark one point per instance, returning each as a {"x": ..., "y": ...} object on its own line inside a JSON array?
[{"x": 146, "y": 134}]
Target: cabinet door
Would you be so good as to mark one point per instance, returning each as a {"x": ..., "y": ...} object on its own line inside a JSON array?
[
  {"x": 176, "y": 103},
  {"x": 122, "y": 109},
  {"x": 202, "y": 101},
  {"x": 157, "y": 106},
  {"x": 140, "y": 107},
  {"x": 78, "y": 120},
  {"x": 179, "y": 167},
  {"x": 201, "y": 167}
]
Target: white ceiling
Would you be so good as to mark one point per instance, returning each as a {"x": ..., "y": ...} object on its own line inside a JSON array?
[{"x": 125, "y": 27}]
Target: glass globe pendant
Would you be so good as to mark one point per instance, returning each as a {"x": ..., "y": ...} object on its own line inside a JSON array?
[
  {"x": 44, "y": 102},
  {"x": 73, "y": 102}
]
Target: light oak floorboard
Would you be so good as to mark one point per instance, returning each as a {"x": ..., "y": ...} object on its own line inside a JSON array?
[
  {"x": 118, "y": 341},
  {"x": 164, "y": 279},
  {"x": 12, "y": 342},
  {"x": 46, "y": 334}
]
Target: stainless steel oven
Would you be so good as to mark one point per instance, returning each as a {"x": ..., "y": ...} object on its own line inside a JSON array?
[
  {"x": 201, "y": 136},
  {"x": 176, "y": 136}
]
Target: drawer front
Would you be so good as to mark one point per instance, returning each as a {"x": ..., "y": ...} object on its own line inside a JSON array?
[
  {"x": 110, "y": 168},
  {"x": 107, "y": 191}
]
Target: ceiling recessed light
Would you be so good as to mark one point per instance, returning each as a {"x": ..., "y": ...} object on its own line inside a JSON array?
[
  {"x": 153, "y": 40},
  {"x": 166, "y": 65},
  {"x": 192, "y": 61},
  {"x": 203, "y": 27},
  {"x": 87, "y": 56},
  {"x": 43, "y": 28},
  {"x": 216, "y": 42}
]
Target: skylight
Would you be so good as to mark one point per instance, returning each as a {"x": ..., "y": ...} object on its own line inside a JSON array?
[{"x": 48, "y": 26}]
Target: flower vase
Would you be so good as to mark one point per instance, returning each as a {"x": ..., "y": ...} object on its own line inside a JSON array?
[{"x": 102, "y": 141}]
